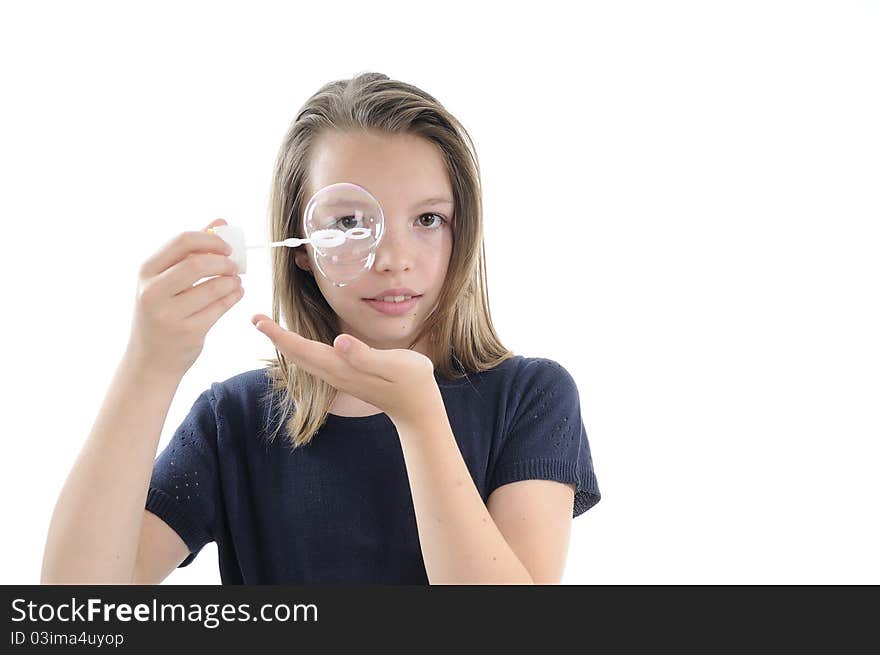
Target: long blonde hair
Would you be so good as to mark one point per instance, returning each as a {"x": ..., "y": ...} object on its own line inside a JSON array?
[{"x": 373, "y": 102}]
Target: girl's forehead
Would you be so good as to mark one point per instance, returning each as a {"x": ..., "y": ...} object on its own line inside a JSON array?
[{"x": 399, "y": 170}]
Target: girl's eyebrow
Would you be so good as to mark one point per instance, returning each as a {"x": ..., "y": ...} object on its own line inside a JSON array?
[
  {"x": 439, "y": 200},
  {"x": 433, "y": 201}
]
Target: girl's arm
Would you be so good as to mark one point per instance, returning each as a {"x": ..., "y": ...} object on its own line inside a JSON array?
[
  {"x": 96, "y": 524},
  {"x": 460, "y": 541}
]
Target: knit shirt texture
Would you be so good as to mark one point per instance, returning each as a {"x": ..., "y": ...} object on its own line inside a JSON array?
[{"x": 339, "y": 509}]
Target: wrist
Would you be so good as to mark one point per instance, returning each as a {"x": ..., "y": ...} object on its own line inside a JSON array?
[
  {"x": 138, "y": 370},
  {"x": 426, "y": 408}
]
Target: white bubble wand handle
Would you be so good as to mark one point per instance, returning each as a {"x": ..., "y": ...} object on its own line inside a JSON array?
[
  {"x": 329, "y": 238},
  {"x": 290, "y": 243}
]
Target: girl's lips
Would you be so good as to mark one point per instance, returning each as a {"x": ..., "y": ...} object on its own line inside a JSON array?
[{"x": 392, "y": 308}]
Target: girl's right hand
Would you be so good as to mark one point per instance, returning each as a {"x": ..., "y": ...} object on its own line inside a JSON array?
[{"x": 172, "y": 317}]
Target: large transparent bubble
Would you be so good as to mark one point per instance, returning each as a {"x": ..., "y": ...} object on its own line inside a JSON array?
[{"x": 343, "y": 224}]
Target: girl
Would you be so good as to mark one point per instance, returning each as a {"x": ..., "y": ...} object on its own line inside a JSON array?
[{"x": 381, "y": 445}]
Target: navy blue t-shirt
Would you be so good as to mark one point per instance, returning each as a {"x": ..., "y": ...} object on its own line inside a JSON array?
[{"x": 339, "y": 509}]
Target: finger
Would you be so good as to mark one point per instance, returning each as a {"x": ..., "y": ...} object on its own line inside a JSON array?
[
  {"x": 196, "y": 298},
  {"x": 207, "y": 317},
  {"x": 313, "y": 356},
  {"x": 183, "y": 276},
  {"x": 362, "y": 356},
  {"x": 215, "y": 223},
  {"x": 180, "y": 247},
  {"x": 256, "y": 318}
]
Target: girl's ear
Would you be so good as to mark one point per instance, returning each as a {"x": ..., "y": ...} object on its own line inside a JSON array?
[{"x": 302, "y": 260}]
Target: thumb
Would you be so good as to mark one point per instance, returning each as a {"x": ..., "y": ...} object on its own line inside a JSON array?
[
  {"x": 266, "y": 325},
  {"x": 345, "y": 343},
  {"x": 216, "y": 222},
  {"x": 358, "y": 354}
]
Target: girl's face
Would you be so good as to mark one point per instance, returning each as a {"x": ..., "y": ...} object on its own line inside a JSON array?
[{"x": 407, "y": 175}]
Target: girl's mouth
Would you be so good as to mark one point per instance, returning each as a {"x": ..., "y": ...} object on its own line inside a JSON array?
[{"x": 392, "y": 308}]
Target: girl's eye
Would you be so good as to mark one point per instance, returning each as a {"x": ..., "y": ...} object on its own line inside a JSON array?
[
  {"x": 347, "y": 222},
  {"x": 435, "y": 225}
]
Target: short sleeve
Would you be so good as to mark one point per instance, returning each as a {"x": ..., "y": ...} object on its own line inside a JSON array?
[
  {"x": 545, "y": 437},
  {"x": 184, "y": 484}
]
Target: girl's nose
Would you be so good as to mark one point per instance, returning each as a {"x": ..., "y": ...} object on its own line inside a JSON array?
[{"x": 395, "y": 252}]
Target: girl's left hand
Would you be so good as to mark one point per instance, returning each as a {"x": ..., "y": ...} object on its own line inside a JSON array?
[{"x": 400, "y": 382}]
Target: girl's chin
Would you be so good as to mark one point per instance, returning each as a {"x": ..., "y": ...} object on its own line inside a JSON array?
[{"x": 389, "y": 338}]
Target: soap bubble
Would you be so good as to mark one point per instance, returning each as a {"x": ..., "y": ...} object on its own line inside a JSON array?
[{"x": 343, "y": 223}]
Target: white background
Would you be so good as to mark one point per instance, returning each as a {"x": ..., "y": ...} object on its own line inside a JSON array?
[{"x": 681, "y": 208}]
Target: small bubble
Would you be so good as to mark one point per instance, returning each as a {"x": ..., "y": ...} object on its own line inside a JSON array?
[{"x": 178, "y": 497}]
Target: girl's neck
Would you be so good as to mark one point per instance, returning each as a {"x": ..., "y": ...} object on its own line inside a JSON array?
[{"x": 348, "y": 405}]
